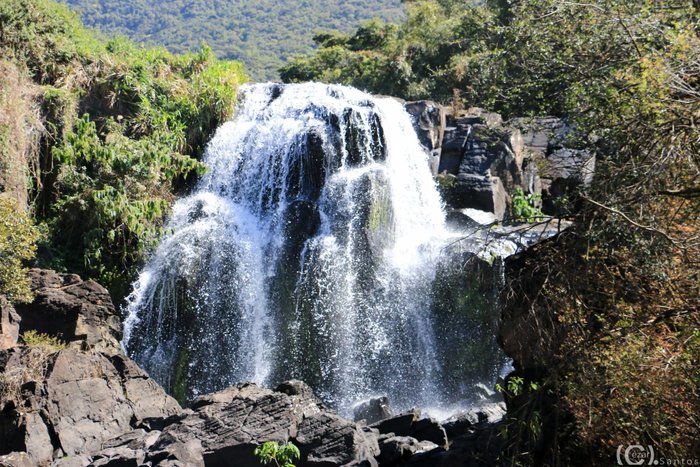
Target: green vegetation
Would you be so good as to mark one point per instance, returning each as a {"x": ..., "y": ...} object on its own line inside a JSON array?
[
  {"x": 120, "y": 132},
  {"x": 18, "y": 238},
  {"x": 282, "y": 455},
  {"x": 526, "y": 207},
  {"x": 36, "y": 339},
  {"x": 611, "y": 305},
  {"x": 263, "y": 34}
]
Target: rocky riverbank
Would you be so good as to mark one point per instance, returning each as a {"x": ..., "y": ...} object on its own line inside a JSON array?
[{"x": 70, "y": 397}]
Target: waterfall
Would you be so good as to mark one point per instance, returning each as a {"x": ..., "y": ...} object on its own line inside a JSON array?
[{"x": 313, "y": 248}]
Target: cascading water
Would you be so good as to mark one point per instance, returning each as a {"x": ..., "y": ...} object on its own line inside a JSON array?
[{"x": 314, "y": 248}]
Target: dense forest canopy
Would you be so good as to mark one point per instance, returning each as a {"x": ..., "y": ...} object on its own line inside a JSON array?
[{"x": 263, "y": 34}]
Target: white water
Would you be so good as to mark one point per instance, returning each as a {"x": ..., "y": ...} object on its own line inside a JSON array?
[{"x": 308, "y": 250}]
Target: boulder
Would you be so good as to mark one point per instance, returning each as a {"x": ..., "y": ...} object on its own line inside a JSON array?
[
  {"x": 9, "y": 324},
  {"x": 127, "y": 449},
  {"x": 328, "y": 440},
  {"x": 229, "y": 424},
  {"x": 78, "y": 312},
  {"x": 462, "y": 422},
  {"x": 552, "y": 161},
  {"x": 17, "y": 459},
  {"x": 542, "y": 134},
  {"x": 486, "y": 160},
  {"x": 399, "y": 425},
  {"x": 428, "y": 121},
  {"x": 373, "y": 410},
  {"x": 70, "y": 402},
  {"x": 412, "y": 425},
  {"x": 395, "y": 449},
  {"x": 429, "y": 429}
]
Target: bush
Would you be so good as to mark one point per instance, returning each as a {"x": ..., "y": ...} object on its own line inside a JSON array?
[
  {"x": 282, "y": 455},
  {"x": 18, "y": 238},
  {"x": 36, "y": 339}
]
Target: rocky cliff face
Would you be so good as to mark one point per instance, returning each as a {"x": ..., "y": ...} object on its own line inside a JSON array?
[
  {"x": 86, "y": 403},
  {"x": 479, "y": 159}
]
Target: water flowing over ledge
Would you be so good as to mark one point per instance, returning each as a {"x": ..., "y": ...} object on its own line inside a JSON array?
[{"x": 315, "y": 248}]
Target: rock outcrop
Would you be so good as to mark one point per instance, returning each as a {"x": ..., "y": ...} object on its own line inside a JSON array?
[
  {"x": 77, "y": 312},
  {"x": 69, "y": 402},
  {"x": 9, "y": 324},
  {"x": 480, "y": 160}
]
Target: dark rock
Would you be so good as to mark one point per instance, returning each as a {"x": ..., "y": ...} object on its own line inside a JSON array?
[
  {"x": 461, "y": 423},
  {"x": 487, "y": 162},
  {"x": 127, "y": 450},
  {"x": 229, "y": 425},
  {"x": 75, "y": 311},
  {"x": 9, "y": 324},
  {"x": 399, "y": 425},
  {"x": 395, "y": 449},
  {"x": 328, "y": 440},
  {"x": 542, "y": 133},
  {"x": 373, "y": 410},
  {"x": 481, "y": 192},
  {"x": 428, "y": 429},
  {"x": 74, "y": 401},
  {"x": 428, "y": 121},
  {"x": 170, "y": 449},
  {"x": 304, "y": 401}
]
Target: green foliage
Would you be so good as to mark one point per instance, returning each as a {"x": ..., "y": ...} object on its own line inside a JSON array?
[
  {"x": 526, "y": 207},
  {"x": 424, "y": 57},
  {"x": 262, "y": 34},
  {"x": 282, "y": 455},
  {"x": 105, "y": 180},
  {"x": 114, "y": 192},
  {"x": 36, "y": 339},
  {"x": 18, "y": 238}
]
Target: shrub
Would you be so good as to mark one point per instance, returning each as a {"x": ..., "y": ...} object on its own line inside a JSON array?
[
  {"x": 18, "y": 238},
  {"x": 282, "y": 455},
  {"x": 36, "y": 339}
]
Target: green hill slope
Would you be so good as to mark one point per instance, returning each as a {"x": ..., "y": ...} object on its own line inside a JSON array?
[{"x": 263, "y": 34}]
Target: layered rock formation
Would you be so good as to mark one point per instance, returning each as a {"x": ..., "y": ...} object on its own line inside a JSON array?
[
  {"x": 77, "y": 312},
  {"x": 479, "y": 159}
]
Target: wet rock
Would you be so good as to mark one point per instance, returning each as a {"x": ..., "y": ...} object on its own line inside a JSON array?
[
  {"x": 327, "y": 439},
  {"x": 373, "y": 410},
  {"x": 399, "y": 425},
  {"x": 75, "y": 311},
  {"x": 304, "y": 401},
  {"x": 395, "y": 449},
  {"x": 462, "y": 422},
  {"x": 9, "y": 324},
  {"x": 410, "y": 424},
  {"x": 429, "y": 123},
  {"x": 229, "y": 425},
  {"x": 428, "y": 429}
]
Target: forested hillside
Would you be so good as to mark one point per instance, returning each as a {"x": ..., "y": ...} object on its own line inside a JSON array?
[
  {"x": 263, "y": 34},
  {"x": 613, "y": 305}
]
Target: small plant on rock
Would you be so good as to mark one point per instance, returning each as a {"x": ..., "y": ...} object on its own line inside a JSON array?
[
  {"x": 526, "y": 207},
  {"x": 37, "y": 339},
  {"x": 282, "y": 455}
]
